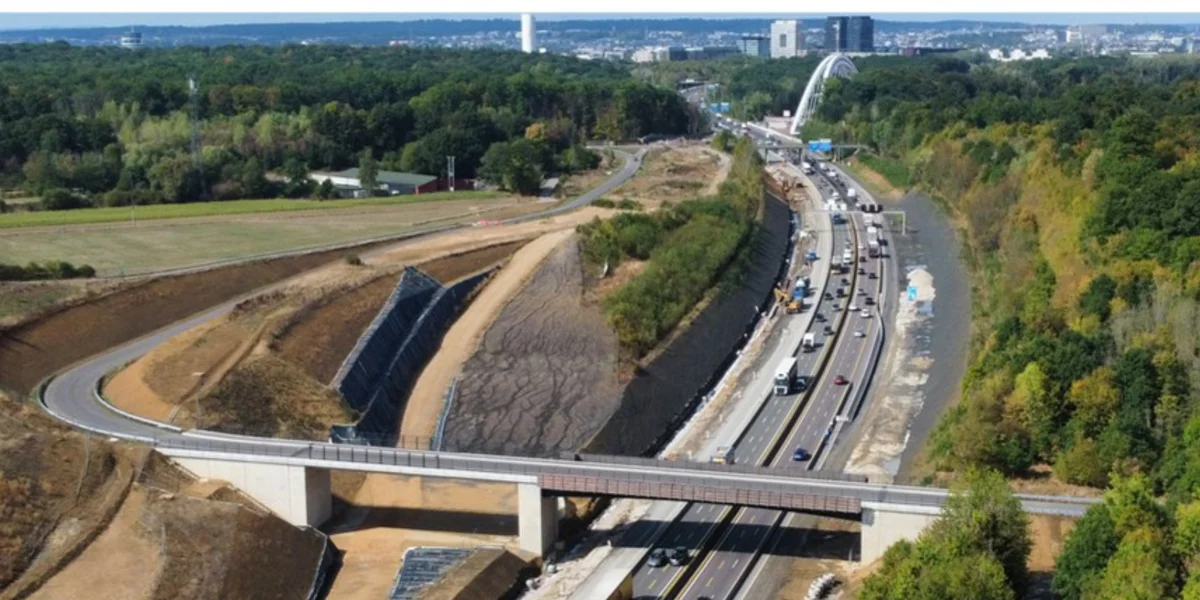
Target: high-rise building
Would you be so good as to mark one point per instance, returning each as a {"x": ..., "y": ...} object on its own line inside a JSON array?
[
  {"x": 131, "y": 40},
  {"x": 835, "y": 34},
  {"x": 528, "y": 33},
  {"x": 849, "y": 34},
  {"x": 787, "y": 39},
  {"x": 860, "y": 35},
  {"x": 755, "y": 45}
]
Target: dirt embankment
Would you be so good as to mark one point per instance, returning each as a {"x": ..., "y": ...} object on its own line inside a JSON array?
[
  {"x": 320, "y": 336},
  {"x": 81, "y": 518},
  {"x": 672, "y": 174},
  {"x": 544, "y": 377},
  {"x": 34, "y": 350}
]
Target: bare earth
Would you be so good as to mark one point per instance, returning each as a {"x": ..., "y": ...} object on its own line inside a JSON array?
[
  {"x": 122, "y": 564},
  {"x": 544, "y": 378},
  {"x": 672, "y": 174},
  {"x": 426, "y": 400},
  {"x": 391, "y": 514}
]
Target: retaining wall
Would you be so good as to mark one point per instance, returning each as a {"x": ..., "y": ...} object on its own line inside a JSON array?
[
  {"x": 381, "y": 370},
  {"x": 662, "y": 396}
]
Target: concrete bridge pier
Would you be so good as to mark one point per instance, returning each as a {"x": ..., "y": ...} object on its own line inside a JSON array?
[
  {"x": 537, "y": 519},
  {"x": 298, "y": 494},
  {"x": 886, "y": 524}
]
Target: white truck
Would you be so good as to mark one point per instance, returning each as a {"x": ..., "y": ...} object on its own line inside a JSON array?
[
  {"x": 785, "y": 376},
  {"x": 806, "y": 167},
  {"x": 851, "y": 193},
  {"x": 810, "y": 342}
]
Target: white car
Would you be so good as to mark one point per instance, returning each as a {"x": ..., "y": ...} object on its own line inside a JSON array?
[
  {"x": 859, "y": 333},
  {"x": 853, "y": 308},
  {"x": 865, "y": 314}
]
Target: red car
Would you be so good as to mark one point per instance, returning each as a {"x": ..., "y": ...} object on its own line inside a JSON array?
[{"x": 839, "y": 380}]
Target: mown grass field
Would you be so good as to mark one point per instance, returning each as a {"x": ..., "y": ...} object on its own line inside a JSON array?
[
  {"x": 119, "y": 249},
  {"x": 208, "y": 209}
]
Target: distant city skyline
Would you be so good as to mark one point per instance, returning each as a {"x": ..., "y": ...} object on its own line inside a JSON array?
[{"x": 19, "y": 21}]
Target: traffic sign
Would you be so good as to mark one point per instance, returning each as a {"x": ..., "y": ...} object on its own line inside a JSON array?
[{"x": 820, "y": 145}]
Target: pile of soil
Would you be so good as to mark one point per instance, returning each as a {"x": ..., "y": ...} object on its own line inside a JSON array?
[
  {"x": 57, "y": 488},
  {"x": 266, "y": 396},
  {"x": 544, "y": 378}
]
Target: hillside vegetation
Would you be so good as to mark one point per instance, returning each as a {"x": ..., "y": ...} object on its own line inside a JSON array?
[
  {"x": 1077, "y": 184},
  {"x": 687, "y": 248}
]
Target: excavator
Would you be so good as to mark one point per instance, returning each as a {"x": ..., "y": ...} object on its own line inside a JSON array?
[{"x": 791, "y": 303}]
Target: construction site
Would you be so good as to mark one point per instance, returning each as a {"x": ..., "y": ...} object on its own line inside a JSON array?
[{"x": 523, "y": 363}]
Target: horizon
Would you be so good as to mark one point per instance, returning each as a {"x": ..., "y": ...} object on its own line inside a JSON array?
[{"x": 54, "y": 21}]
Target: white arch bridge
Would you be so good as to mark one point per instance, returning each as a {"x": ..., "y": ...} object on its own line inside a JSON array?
[{"x": 834, "y": 65}]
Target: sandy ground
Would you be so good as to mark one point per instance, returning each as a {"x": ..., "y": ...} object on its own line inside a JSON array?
[
  {"x": 427, "y": 399},
  {"x": 673, "y": 174},
  {"x": 121, "y": 564},
  {"x": 391, "y": 514}
]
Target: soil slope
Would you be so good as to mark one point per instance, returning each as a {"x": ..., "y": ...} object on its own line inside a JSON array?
[{"x": 544, "y": 378}]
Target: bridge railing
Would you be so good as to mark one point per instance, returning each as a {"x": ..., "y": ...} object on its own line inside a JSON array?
[{"x": 623, "y": 469}]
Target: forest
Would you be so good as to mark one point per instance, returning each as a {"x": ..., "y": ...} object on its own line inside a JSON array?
[
  {"x": 1077, "y": 185},
  {"x": 103, "y": 126}
]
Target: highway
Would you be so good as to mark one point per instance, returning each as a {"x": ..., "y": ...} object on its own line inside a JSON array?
[
  {"x": 726, "y": 567},
  {"x": 723, "y": 569},
  {"x": 699, "y": 521}
]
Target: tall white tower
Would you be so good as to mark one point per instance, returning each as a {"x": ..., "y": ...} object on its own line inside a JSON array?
[{"x": 528, "y": 33}]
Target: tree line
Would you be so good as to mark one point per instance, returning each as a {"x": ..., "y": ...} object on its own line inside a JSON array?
[{"x": 112, "y": 127}]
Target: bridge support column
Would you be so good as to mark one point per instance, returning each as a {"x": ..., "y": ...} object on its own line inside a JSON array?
[
  {"x": 886, "y": 524},
  {"x": 300, "y": 495},
  {"x": 537, "y": 519}
]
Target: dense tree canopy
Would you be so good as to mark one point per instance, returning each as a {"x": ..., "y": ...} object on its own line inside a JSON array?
[{"x": 113, "y": 126}]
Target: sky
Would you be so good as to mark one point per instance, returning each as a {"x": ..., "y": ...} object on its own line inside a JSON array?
[{"x": 45, "y": 20}]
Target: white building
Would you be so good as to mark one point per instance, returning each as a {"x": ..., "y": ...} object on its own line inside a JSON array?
[
  {"x": 787, "y": 39},
  {"x": 1018, "y": 54},
  {"x": 528, "y": 33},
  {"x": 131, "y": 40},
  {"x": 643, "y": 55}
]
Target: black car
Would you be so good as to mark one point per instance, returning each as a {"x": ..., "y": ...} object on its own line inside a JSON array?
[
  {"x": 872, "y": 275},
  {"x": 802, "y": 383},
  {"x": 658, "y": 558},
  {"x": 845, "y": 281},
  {"x": 678, "y": 557},
  {"x": 869, "y": 301},
  {"x": 820, "y": 317},
  {"x": 828, "y": 330},
  {"x": 801, "y": 455},
  {"x": 828, "y": 295}
]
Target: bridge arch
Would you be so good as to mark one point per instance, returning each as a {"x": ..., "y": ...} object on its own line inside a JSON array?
[{"x": 834, "y": 65}]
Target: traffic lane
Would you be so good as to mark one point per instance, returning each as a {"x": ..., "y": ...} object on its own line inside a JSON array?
[
  {"x": 754, "y": 444},
  {"x": 718, "y": 574}
]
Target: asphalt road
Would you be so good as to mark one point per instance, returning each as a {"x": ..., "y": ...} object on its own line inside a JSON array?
[
  {"x": 699, "y": 521},
  {"x": 723, "y": 569},
  {"x": 70, "y": 395}
]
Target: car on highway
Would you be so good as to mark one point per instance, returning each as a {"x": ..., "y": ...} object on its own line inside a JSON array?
[
  {"x": 845, "y": 281},
  {"x": 839, "y": 380},
  {"x": 862, "y": 271},
  {"x": 828, "y": 330},
  {"x": 869, "y": 301},
  {"x": 801, "y": 455},
  {"x": 836, "y": 307},
  {"x": 865, "y": 314},
  {"x": 859, "y": 333},
  {"x": 678, "y": 556},
  {"x": 829, "y": 295},
  {"x": 657, "y": 558},
  {"x": 872, "y": 275},
  {"x": 820, "y": 317},
  {"x": 852, "y": 308},
  {"x": 862, "y": 292},
  {"x": 802, "y": 383}
]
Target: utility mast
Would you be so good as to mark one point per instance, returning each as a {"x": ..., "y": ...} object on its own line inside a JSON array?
[
  {"x": 194, "y": 118},
  {"x": 450, "y": 171}
]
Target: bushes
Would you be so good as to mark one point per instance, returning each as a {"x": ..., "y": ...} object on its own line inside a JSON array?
[
  {"x": 49, "y": 270},
  {"x": 688, "y": 246}
]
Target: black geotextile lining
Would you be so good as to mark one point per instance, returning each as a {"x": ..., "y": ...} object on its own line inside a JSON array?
[
  {"x": 663, "y": 395},
  {"x": 407, "y": 343},
  {"x": 369, "y": 360}
]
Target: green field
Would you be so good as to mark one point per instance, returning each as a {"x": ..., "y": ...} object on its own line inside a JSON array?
[
  {"x": 123, "y": 248},
  {"x": 891, "y": 169},
  {"x": 207, "y": 209}
]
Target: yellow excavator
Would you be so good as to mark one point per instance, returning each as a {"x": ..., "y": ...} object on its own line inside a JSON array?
[{"x": 790, "y": 304}]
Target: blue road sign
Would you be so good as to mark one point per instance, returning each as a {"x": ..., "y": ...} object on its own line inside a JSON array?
[
  {"x": 724, "y": 107},
  {"x": 912, "y": 293},
  {"x": 820, "y": 145}
]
